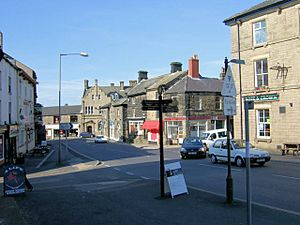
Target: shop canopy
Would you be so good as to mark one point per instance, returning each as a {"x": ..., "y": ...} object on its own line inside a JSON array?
[{"x": 151, "y": 125}]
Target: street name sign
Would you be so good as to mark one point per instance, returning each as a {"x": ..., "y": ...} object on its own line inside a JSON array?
[
  {"x": 228, "y": 86},
  {"x": 168, "y": 105}
]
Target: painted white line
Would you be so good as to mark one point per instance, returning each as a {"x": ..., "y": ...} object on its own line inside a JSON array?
[
  {"x": 117, "y": 169},
  {"x": 243, "y": 200},
  {"x": 85, "y": 156},
  {"x": 288, "y": 177},
  {"x": 44, "y": 160},
  {"x": 129, "y": 173},
  {"x": 107, "y": 165},
  {"x": 145, "y": 178},
  {"x": 219, "y": 167}
]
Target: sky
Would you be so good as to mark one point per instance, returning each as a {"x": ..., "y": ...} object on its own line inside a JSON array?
[{"x": 120, "y": 36}]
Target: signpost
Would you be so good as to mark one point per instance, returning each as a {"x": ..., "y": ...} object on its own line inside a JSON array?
[
  {"x": 229, "y": 93},
  {"x": 160, "y": 105}
]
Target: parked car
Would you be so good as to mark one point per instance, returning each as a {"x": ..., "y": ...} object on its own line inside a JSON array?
[
  {"x": 86, "y": 135},
  {"x": 192, "y": 147},
  {"x": 208, "y": 137},
  {"x": 218, "y": 152},
  {"x": 100, "y": 139}
]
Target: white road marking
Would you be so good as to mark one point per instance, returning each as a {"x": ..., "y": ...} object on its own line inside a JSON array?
[
  {"x": 117, "y": 169},
  {"x": 106, "y": 165},
  {"x": 145, "y": 178},
  {"x": 219, "y": 167},
  {"x": 129, "y": 173},
  {"x": 288, "y": 177},
  {"x": 243, "y": 200}
]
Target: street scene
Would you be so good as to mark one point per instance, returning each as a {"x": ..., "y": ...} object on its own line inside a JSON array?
[{"x": 150, "y": 112}]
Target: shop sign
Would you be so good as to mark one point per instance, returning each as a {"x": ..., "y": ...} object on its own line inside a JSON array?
[
  {"x": 14, "y": 180},
  {"x": 266, "y": 97}
]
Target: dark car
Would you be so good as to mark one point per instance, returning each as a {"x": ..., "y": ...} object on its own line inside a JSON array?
[
  {"x": 192, "y": 147},
  {"x": 86, "y": 135}
]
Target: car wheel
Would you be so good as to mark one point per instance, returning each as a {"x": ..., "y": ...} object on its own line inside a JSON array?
[
  {"x": 183, "y": 156},
  {"x": 239, "y": 162},
  {"x": 213, "y": 159}
]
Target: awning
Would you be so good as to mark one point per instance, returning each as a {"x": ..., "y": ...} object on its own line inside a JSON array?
[{"x": 151, "y": 125}]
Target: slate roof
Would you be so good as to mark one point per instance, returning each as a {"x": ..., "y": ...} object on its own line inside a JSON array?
[
  {"x": 64, "y": 110},
  {"x": 189, "y": 84},
  {"x": 110, "y": 89},
  {"x": 142, "y": 86},
  {"x": 119, "y": 102},
  {"x": 168, "y": 78},
  {"x": 259, "y": 8}
]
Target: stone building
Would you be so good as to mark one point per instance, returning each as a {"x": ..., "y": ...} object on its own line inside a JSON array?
[
  {"x": 267, "y": 36},
  {"x": 200, "y": 105},
  {"x": 97, "y": 111},
  {"x": 69, "y": 114}
]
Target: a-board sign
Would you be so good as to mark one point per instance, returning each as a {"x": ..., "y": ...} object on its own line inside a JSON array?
[
  {"x": 14, "y": 180},
  {"x": 175, "y": 179}
]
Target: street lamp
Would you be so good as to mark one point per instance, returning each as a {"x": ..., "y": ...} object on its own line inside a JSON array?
[{"x": 59, "y": 97}]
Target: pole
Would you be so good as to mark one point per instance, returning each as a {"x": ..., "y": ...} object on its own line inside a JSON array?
[
  {"x": 248, "y": 178},
  {"x": 161, "y": 147},
  {"x": 240, "y": 78},
  {"x": 59, "y": 113},
  {"x": 229, "y": 180}
]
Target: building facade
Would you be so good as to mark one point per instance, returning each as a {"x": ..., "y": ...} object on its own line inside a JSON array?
[{"x": 267, "y": 36}]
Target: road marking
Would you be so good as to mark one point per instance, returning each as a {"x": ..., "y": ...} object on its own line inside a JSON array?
[
  {"x": 244, "y": 201},
  {"x": 219, "y": 167},
  {"x": 107, "y": 165},
  {"x": 129, "y": 173},
  {"x": 117, "y": 169},
  {"x": 145, "y": 178},
  {"x": 288, "y": 177}
]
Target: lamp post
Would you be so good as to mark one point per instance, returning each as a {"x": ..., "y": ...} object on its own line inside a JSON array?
[{"x": 59, "y": 98}]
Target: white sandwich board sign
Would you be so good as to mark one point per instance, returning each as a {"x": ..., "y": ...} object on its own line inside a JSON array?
[{"x": 175, "y": 179}]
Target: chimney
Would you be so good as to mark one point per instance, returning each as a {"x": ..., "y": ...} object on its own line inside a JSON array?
[
  {"x": 222, "y": 74},
  {"x": 194, "y": 67},
  {"x": 96, "y": 83},
  {"x": 122, "y": 85},
  {"x": 176, "y": 66},
  {"x": 86, "y": 84},
  {"x": 112, "y": 84},
  {"x": 142, "y": 75},
  {"x": 132, "y": 83}
]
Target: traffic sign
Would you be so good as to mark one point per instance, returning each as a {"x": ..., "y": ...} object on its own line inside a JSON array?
[
  {"x": 66, "y": 126},
  {"x": 154, "y": 104},
  {"x": 228, "y": 86},
  {"x": 229, "y": 106}
]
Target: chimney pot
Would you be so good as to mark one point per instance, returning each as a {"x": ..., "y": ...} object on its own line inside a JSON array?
[
  {"x": 132, "y": 83},
  {"x": 142, "y": 75},
  {"x": 86, "y": 84},
  {"x": 122, "y": 85},
  {"x": 112, "y": 84}
]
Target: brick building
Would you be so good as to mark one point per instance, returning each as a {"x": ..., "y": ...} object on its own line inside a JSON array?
[{"x": 267, "y": 36}]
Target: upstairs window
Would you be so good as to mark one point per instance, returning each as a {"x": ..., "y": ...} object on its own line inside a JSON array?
[
  {"x": 261, "y": 73},
  {"x": 55, "y": 119},
  {"x": 259, "y": 32},
  {"x": 9, "y": 85},
  {"x": 219, "y": 103},
  {"x": 198, "y": 103},
  {"x": 73, "y": 119}
]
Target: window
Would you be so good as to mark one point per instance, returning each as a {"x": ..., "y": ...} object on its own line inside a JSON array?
[
  {"x": 55, "y": 119},
  {"x": 93, "y": 97},
  {"x": 92, "y": 109},
  {"x": 259, "y": 32},
  {"x": 99, "y": 97},
  {"x": 133, "y": 112},
  {"x": 263, "y": 123},
  {"x": 73, "y": 119},
  {"x": 133, "y": 100},
  {"x": 9, "y": 85},
  {"x": 9, "y": 112},
  {"x": 0, "y": 80},
  {"x": 219, "y": 103},
  {"x": 86, "y": 110},
  {"x": 261, "y": 73},
  {"x": 198, "y": 103}
]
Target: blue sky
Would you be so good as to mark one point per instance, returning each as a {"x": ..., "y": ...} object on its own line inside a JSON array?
[{"x": 120, "y": 36}]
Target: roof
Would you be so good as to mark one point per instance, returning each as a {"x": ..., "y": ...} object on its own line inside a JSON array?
[
  {"x": 260, "y": 8},
  {"x": 119, "y": 102},
  {"x": 189, "y": 84},
  {"x": 110, "y": 89},
  {"x": 168, "y": 78},
  {"x": 64, "y": 110},
  {"x": 141, "y": 87}
]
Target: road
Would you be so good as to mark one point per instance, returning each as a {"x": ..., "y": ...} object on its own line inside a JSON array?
[{"x": 275, "y": 185}]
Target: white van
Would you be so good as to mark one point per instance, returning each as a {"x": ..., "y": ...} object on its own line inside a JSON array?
[{"x": 208, "y": 137}]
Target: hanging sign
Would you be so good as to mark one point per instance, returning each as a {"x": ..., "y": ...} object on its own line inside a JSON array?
[{"x": 175, "y": 179}]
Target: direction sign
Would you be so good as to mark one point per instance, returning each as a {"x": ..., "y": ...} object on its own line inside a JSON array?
[
  {"x": 154, "y": 104},
  {"x": 228, "y": 86},
  {"x": 66, "y": 126},
  {"x": 229, "y": 106}
]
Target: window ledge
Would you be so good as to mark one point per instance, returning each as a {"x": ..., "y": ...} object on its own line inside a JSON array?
[
  {"x": 260, "y": 45},
  {"x": 264, "y": 140}
]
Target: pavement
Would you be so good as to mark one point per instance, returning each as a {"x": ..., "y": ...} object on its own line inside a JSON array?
[{"x": 60, "y": 198}]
